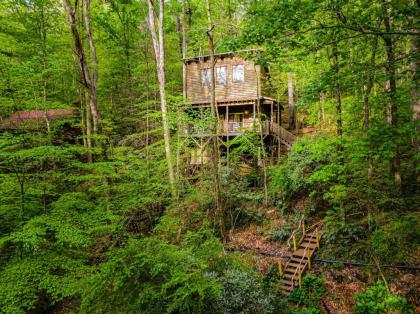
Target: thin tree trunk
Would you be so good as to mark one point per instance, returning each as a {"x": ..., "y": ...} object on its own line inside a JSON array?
[
  {"x": 215, "y": 156},
  {"x": 93, "y": 99},
  {"x": 81, "y": 56},
  {"x": 261, "y": 130},
  {"x": 88, "y": 128},
  {"x": 291, "y": 103},
  {"x": 415, "y": 102},
  {"x": 366, "y": 106},
  {"x": 337, "y": 91},
  {"x": 392, "y": 92},
  {"x": 158, "y": 46}
]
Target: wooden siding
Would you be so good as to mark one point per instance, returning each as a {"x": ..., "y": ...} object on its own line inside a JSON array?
[{"x": 196, "y": 91}]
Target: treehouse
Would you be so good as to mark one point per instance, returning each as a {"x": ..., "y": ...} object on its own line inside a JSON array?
[{"x": 243, "y": 97}]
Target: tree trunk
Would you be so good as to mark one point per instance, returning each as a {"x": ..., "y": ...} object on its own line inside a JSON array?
[
  {"x": 88, "y": 83},
  {"x": 158, "y": 46},
  {"x": 337, "y": 90},
  {"x": 88, "y": 128},
  {"x": 415, "y": 102},
  {"x": 215, "y": 155},
  {"x": 93, "y": 99},
  {"x": 291, "y": 103},
  {"x": 392, "y": 92},
  {"x": 261, "y": 130},
  {"x": 366, "y": 106}
]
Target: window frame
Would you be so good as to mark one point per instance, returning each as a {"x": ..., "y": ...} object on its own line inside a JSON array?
[
  {"x": 205, "y": 77},
  {"x": 243, "y": 73},
  {"x": 217, "y": 75}
]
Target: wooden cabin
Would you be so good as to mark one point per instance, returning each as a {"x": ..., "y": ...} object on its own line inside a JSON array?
[{"x": 243, "y": 95}]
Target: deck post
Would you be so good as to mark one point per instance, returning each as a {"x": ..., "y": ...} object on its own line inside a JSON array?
[
  {"x": 300, "y": 278},
  {"x": 309, "y": 261},
  {"x": 294, "y": 242},
  {"x": 303, "y": 227},
  {"x": 227, "y": 121},
  {"x": 272, "y": 114},
  {"x": 253, "y": 113}
]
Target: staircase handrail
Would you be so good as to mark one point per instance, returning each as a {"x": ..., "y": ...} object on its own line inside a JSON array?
[
  {"x": 315, "y": 226},
  {"x": 300, "y": 263},
  {"x": 282, "y": 133},
  {"x": 294, "y": 232}
]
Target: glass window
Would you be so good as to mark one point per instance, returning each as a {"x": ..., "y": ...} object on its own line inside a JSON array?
[
  {"x": 221, "y": 75},
  {"x": 238, "y": 73},
  {"x": 206, "y": 77}
]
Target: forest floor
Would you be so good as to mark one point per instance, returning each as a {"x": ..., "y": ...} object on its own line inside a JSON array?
[{"x": 257, "y": 244}]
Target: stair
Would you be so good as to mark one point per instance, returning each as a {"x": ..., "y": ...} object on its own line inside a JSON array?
[
  {"x": 284, "y": 136},
  {"x": 300, "y": 261}
]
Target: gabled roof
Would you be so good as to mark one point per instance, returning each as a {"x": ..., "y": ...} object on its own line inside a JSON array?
[{"x": 222, "y": 55}]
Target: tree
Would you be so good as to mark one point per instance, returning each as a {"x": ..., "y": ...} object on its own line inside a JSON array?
[
  {"x": 215, "y": 139},
  {"x": 158, "y": 46}
]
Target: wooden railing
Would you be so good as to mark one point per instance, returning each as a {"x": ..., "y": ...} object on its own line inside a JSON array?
[{"x": 285, "y": 136}]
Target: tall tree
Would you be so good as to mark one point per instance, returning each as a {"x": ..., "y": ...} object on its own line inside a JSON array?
[
  {"x": 89, "y": 82},
  {"x": 158, "y": 47},
  {"x": 214, "y": 113}
]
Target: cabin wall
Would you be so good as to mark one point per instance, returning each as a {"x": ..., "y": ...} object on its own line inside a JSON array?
[{"x": 196, "y": 91}]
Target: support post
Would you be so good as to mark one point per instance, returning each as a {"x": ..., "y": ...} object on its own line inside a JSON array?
[
  {"x": 253, "y": 113},
  {"x": 294, "y": 242},
  {"x": 300, "y": 278},
  {"x": 303, "y": 228},
  {"x": 280, "y": 267},
  {"x": 227, "y": 121},
  {"x": 309, "y": 261},
  {"x": 272, "y": 113}
]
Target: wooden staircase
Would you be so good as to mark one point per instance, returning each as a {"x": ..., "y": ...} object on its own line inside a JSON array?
[
  {"x": 284, "y": 136},
  {"x": 300, "y": 260}
]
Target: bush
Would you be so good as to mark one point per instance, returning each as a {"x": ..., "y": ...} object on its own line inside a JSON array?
[
  {"x": 244, "y": 293},
  {"x": 310, "y": 293},
  {"x": 377, "y": 300}
]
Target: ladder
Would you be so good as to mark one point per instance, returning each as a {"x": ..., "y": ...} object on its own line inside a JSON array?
[{"x": 300, "y": 259}]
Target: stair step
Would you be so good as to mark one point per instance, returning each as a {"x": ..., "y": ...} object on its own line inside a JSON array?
[
  {"x": 298, "y": 255},
  {"x": 286, "y": 282},
  {"x": 308, "y": 244},
  {"x": 289, "y": 277},
  {"x": 296, "y": 265}
]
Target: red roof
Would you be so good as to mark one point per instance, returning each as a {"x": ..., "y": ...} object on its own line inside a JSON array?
[
  {"x": 40, "y": 114},
  {"x": 28, "y": 118}
]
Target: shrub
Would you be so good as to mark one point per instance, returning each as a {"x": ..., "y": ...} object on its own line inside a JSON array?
[
  {"x": 310, "y": 293},
  {"x": 377, "y": 300},
  {"x": 243, "y": 293}
]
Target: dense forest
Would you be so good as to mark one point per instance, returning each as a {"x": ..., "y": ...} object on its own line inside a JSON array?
[{"x": 103, "y": 211}]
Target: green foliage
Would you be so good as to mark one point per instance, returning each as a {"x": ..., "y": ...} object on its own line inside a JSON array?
[
  {"x": 242, "y": 293},
  {"x": 311, "y": 161},
  {"x": 377, "y": 300},
  {"x": 310, "y": 293},
  {"x": 152, "y": 276},
  {"x": 282, "y": 234}
]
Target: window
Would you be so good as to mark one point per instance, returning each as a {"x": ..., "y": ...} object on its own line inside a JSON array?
[
  {"x": 206, "y": 77},
  {"x": 238, "y": 73},
  {"x": 221, "y": 75}
]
